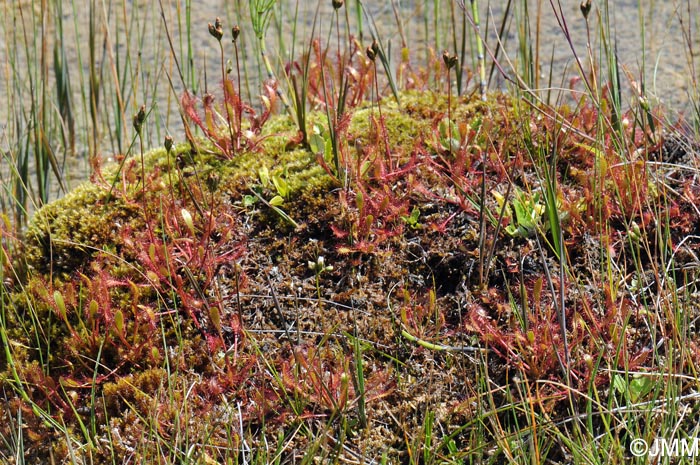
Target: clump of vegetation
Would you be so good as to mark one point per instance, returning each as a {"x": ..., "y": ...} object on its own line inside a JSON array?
[{"x": 427, "y": 277}]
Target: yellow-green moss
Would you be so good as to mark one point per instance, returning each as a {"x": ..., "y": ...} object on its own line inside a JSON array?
[
  {"x": 88, "y": 219},
  {"x": 138, "y": 390},
  {"x": 63, "y": 232}
]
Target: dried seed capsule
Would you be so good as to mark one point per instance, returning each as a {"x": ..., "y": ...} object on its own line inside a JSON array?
[
  {"x": 373, "y": 50},
  {"x": 585, "y": 8},
  {"x": 168, "y": 143},
  {"x": 139, "y": 118},
  {"x": 450, "y": 60},
  {"x": 216, "y": 30},
  {"x": 370, "y": 53}
]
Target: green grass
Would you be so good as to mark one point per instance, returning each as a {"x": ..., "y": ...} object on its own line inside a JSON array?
[{"x": 267, "y": 290}]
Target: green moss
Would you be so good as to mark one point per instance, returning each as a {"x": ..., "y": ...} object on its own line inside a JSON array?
[
  {"x": 415, "y": 119},
  {"x": 63, "y": 234},
  {"x": 137, "y": 390}
]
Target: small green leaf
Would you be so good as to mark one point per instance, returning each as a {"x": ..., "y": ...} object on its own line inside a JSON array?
[
  {"x": 60, "y": 304},
  {"x": 119, "y": 322},
  {"x": 152, "y": 252},
  {"x": 639, "y": 387},
  {"x": 531, "y": 336},
  {"x": 328, "y": 151},
  {"x": 449, "y": 134},
  {"x": 360, "y": 200},
  {"x": 69, "y": 382},
  {"x": 264, "y": 175},
  {"x": 619, "y": 384},
  {"x": 92, "y": 310},
  {"x": 412, "y": 220},
  {"x": 281, "y": 186},
  {"x": 317, "y": 144},
  {"x": 249, "y": 200},
  {"x": 276, "y": 201},
  {"x": 187, "y": 216}
]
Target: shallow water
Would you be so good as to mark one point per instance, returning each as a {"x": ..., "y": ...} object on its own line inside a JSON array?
[
  {"x": 663, "y": 68},
  {"x": 132, "y": 48}
]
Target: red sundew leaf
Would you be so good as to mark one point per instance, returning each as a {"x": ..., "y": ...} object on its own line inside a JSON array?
[
  {"x": 359, "y": 246},
  {"x": 638, "y": 359},
  {"x": 339, "y": 233},
  {"x": 294, "y": 141},
  {"x": 441, "y": 227},
  {"x": 189, "y": 103},
  {"x": 214, "y": 343},
  {"x": 326, "y": 168}
]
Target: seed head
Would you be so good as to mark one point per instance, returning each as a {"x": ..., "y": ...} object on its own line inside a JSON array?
[
  {"x": 168, "y": 143},
  {"x": 337, "y": 4},
  {"x": 450, "y": 60},
  {"x": 139, "y": 118},
  {"x": 373, "y": 50},
  {"x": 235, "y": 32},
  {"x": 585, "y": 8},
  {"x": 216, "y": 30},
  {"x": 213, "y": 181},
  {"x": 370, "y": 54}
]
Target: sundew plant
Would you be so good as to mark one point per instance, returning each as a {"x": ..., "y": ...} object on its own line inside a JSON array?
[{"x": 274, "y": 231}]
